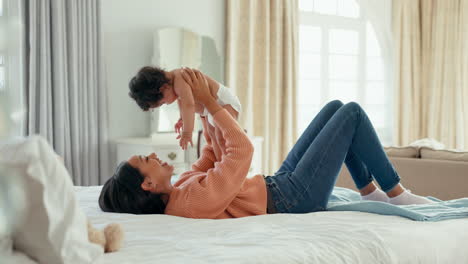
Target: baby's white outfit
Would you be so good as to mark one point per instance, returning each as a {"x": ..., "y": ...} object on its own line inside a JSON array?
[{"x": 225, "y": 97}]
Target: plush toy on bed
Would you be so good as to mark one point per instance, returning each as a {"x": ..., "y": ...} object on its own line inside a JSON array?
[{"x": 110, "y": 238}]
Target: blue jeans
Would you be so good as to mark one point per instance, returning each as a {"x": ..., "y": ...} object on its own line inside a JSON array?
[{"x": 338, "y": 133}]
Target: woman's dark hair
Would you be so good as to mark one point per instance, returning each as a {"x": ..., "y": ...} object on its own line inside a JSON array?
[
  {"x": 145, "y": 86},
  {"x": 122, "y": 193}
]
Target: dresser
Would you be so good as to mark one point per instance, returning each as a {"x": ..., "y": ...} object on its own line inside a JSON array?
[{"x": 167, "y": 148}]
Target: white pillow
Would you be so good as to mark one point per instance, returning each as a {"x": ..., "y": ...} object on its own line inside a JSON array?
[
  {"x": 427, "y": 142},
  {"x": 54, "y": 229}
]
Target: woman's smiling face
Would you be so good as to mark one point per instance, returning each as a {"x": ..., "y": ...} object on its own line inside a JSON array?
[{"x": 157, "y": 174}]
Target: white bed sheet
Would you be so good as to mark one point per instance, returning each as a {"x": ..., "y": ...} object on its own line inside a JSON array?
[{"x": 325, "y": 237}]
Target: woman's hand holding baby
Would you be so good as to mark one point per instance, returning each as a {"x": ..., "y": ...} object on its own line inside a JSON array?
[
  {"x": 200, "y": 90},
  {"x": 197, "y": 81}
]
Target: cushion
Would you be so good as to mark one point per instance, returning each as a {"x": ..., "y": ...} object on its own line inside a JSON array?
[
  {"x": 455, "y": 155},
  {"x": 427, "y": 142},
  {"x": 404, "y": 152},
  {"x": 54, "y": 229}
]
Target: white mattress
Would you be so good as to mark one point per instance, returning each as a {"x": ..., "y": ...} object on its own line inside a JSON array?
[{"x": 325, "y": 237}]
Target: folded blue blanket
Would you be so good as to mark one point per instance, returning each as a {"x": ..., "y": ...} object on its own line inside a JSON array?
[{"x": 343, "y": 199}]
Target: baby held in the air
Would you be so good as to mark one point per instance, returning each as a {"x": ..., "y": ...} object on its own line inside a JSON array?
[{"x": 153, "y": 87}]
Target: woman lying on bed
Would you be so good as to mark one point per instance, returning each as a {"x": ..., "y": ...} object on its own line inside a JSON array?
[{"x": 217, "y": 186}]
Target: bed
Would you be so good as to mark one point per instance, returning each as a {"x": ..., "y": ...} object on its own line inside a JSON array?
[
  {"x": 53, "y": 226},
  {"x": 325, "y": 237}
]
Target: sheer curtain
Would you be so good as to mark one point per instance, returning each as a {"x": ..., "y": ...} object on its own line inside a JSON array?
[
  {"x": 431, "y": 39},
  {"x": 12, "y": 56},
  {"x": 379, "y": 15},
  {"x": 65, "y": 91},
  {"x": 261, "y": 65}
]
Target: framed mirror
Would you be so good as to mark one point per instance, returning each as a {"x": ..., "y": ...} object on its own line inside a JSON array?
[{"x": 173, "y": 48}]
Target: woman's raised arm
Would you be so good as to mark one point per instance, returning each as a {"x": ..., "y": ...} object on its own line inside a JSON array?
[{"x": 214, "y": 193}]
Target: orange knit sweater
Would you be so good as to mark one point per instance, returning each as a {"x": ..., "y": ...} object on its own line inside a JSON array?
[{"x": 217, "y": 186}]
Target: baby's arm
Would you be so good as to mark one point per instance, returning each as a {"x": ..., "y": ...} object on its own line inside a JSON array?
[{"x": 186, "y": 106}]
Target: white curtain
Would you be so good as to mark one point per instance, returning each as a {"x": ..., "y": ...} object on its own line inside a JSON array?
[
  {"x": 66, "y": 95},
  {"x": 431, "y": 45},
  {"x": 12, "y": 48},
  {"x": 379, "y": 14},
  {"x": 261, "y": 65}
]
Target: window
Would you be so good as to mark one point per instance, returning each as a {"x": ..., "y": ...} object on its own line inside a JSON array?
[{"x": 340, "y": 58}]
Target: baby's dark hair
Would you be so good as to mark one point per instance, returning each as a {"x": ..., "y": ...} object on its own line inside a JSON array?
[{"x": 145, "y": 86}]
